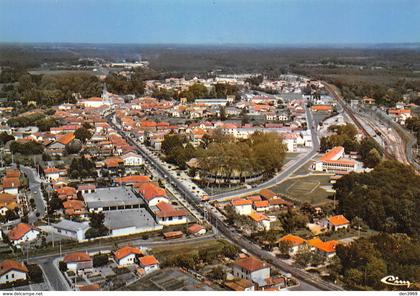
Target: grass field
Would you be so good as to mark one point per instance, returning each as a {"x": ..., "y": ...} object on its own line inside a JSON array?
[
  {"x": 163, "y": 252},
  {"x": 305, "y": 189}
]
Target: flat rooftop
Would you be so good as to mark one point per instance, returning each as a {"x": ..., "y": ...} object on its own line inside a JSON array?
[
  {"x": 71, "y": 225},
  {"x": 139, "y": 218},
  {"x": 111, "y": 197}
]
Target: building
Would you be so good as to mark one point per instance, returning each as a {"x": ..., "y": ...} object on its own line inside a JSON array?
[
  {"x": 252, "y": 269},
  {"x": 338, "y": 222},
  {"x": 132, "y": 159},
  {"x": 197, "y": 230},
  {"x": 173, "y": 234},
  {"x": 166, "y": 214},
  {"x": 71, "y": 229},
  {"x": 130, "y": 221},
  {"x": 333, "y": 161},
  {"x": 12, "y": 271},
  {"x": 322, "y": 108},
  {"x": 152, "y": 193},
  {"x": 112, "y": 199},
  {"x": 294, "y": 242},
  {"x": 261, "y": 220},
  {"x": 242, "y": 206},
  {"x": 324, "y": 248},
  {"x": 261, "y": 206},
  {"x": 78, "y": 261},
  {"x": 240, "y": 285},
  {"x": 149, "y": 263},
  {"x": 127, "y": 255},
  {"x": 23, "y": 233},
  {"x": 11, "y": 185}
]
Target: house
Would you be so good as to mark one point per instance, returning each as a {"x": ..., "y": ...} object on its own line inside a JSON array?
[
  {"x": 74, "y": 207},
  {"x": 325, "y": 248},
  {"x": 11, "y": 271},
  {"x": 71, "y": 229},
  {"x": 196, "y": 229},
  {"x": 11, "y": 185},
  {"x": 294, "y": 242},
  {"x": 261, "y": 206},
  {"x": 132, "y": 180},
  {"x": 66, "y": 192},
  {"x": 22, "y": 233},
  {"x": 279, "y": 203},
  {"x": 7, "y": 206},
  {"x": 252, "y": 269},
  {"x": 152, "y": 193},
  {"x": 53, "y": 174},
  {"x": 59, "y": 146},
  {"x": 268, "y": 194},
  {"x": 132, "y": 159},
  {"x": 78, "y": 261},
  {"x": 261, "y": 220},
  {"x": 149, "y": 263},
  {"x": 242, "y": 206},
  {"x": 338, "y": 222},
  {"x": 240, "y": 285},
  {"x": 127, "y": 255},
  {"x": 168, "y": 215}
]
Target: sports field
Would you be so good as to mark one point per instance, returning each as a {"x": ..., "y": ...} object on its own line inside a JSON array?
[{"x": 305, "y": 189}]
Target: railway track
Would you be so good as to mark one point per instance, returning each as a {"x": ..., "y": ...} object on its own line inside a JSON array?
[{"x": 356, "y": 121}]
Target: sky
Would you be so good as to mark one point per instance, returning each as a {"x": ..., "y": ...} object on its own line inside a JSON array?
[{"x": 262, "y": 22}]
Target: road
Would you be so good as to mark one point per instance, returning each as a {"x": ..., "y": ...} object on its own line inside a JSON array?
[
  {"x": 284, "y": 173},
  {"x": 308, "y": 280},
  {"x": 35, "y": 187},
  {"x": 56, "y": 280}
]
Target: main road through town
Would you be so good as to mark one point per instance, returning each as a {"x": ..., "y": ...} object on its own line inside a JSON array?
[{"x": 307, "y": 280}]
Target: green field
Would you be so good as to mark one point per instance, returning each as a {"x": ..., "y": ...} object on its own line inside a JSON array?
[
  {"x": 305, "y": 189},
  {"x": 164, "y": 252}
]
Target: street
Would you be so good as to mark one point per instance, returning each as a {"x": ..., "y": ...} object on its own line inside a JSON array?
[
  {"x": 311, "y": 282},
  {"x": 35, "y": 188}
]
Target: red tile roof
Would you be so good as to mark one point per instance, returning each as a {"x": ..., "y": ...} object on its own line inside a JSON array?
[
  {"x": 11, "y": 182},
  {"x": 250, "y": 263},
  {"x": 241, "y": 202},
  {"x": 150, "y": 191},
  {"x": 148, "y": 260},
  {"x": 19, "y": 231},
  {"x": 338, "y": 220},
  {"x": 125, "y": 251},
  {"x": 67, "y": 138},
  {"x": 167, "y": 210},
  {"x": 195, "y": 228},
  {"x": 8, "y": 265},
  {"x": 292, "y": 239},
  {"x": 77, "y": 257}
]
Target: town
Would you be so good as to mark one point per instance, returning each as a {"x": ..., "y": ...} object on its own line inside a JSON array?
[
  {"x": 217, "y": 146},
  {"x": 240, "y": 172}
]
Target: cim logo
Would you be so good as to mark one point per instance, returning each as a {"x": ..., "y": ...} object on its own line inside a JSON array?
[{"x": 395, "y": 281}]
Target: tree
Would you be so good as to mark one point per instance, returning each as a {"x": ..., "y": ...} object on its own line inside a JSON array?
[
  {"x": 74, "y": 147},
  {"x": 218, "y": 273},
  {"x": 373, "y": 158},
  {"x": 82, "y": 167},
  {"x": 100, "y": 260},
  {"x": 5, "y": 137},
  {"x": 83, "y": 134},
  {"x": 303, "y": 258},
  {"x": 386, "y": 198},
  {"x": 284, "y": 248}
]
